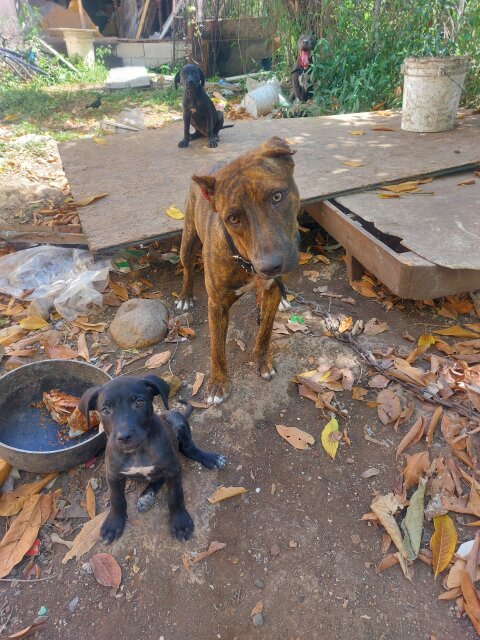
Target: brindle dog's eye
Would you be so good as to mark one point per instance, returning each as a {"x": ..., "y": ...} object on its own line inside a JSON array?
[
  {"x": 277, "y": 197},
  {"x": 139, "y": 403},
  {"x": 233, "y": 219},
  {"x": 105, "y": 411}
]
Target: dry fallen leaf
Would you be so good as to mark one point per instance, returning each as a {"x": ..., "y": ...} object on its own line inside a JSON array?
[
  {"x": 23, "y": 531},
  {"x": 258, "y": 608},
  {"x": 368, "y": 473},
  {"x": 98, "y": 327},
  {"x": 413, "y": 436},
  {"x": 389, "y": 407},
  {"x": 5, "y": 469},
  {"x": 385, "y": 563},
  {"x": 28, "y": 631},
  {"x": 364, "y": 288},
  {"x": 174, "y": 382},
  {"x": 358, "y": 393},
  {"x": 199, "y": 378},
  {"x": 99, "y": 140},
  {"x": 411, "y": 372},
  {"x": 352, "y": 163},
  {"x": 225, "y": 492},
  {"x": 88, "y": 536},
  {"x": 374, "y": 327},
  {"x": 120, "y": 290},
  {"x": 443, "y": 542},
  {"x": 471, "y": 600},
  {"x": 412, "y": 524},
  {"x": 357, "y": 132},
  {"x": 378, "y": 382},
  {"x": 32, "y": 323},
  {"x": 466, "y": 183},
  {"x": 83, "y": 202},
  {"x": 82, "y": 347},
  {"x": 457, "y": 332},
  {"x": 59, "y": 352},
  {"x": 329, "y": 441},
  {"x": 11, "y": 502},
  {"x": 90, "y": 500},
  {"x": 175, "y": 213},
  {"x": 432, "y": 425},
  {"x": 158, "y": 359},
  {"x": 345, "y": 324},
  {"x": 295, "y": 437},
  {"x": 385, "y": 508},
  {"x": 416, "y": 466},
  {"x": 106, "y": 570}
]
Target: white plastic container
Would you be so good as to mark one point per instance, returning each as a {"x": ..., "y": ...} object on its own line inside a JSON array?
[
  {"x": 431, "y": 92},
  {"x": 262, "y": 100},
  {"x": 79, "y": 42}
]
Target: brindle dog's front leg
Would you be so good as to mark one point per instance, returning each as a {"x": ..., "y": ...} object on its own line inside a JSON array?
[
  {"x": 270, "y": 300},
  {"x": 218, "y": 325}
]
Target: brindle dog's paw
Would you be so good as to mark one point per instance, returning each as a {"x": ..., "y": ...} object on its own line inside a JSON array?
[
  {"x": 181, "y": 526},
  {"x": 213, "y": 143},
  {"x": 184, "y": 304},
  {"x": 284, "y": 305},
  {"x": 216, "y": 394},
  {"x": 183, "y": 143},
  {"x": 214, "y": 460},
  {"x": 146, "y": 500},
  {"x": 113, "y": 527},
  {"x": 266, "y": 370}
]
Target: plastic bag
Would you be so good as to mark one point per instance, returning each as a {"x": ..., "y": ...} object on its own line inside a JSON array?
[{"x": 70, "y": 278}]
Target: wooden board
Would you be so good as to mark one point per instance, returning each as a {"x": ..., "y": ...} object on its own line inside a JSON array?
[
  {"x": 146, "y": 172},
  {"x": 443, "y": 228}
]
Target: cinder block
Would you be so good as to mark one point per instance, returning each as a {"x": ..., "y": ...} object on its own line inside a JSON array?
[
  {"x": 160, "y": 50},
  {"x": 130, "y": 50}
]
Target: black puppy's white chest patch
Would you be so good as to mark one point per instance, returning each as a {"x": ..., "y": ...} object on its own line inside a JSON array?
[{"x": 145, "y": 471}]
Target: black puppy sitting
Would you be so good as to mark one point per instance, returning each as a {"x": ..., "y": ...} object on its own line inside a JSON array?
[
  {"x": 301, "y": 80},
  {"x": 198, "y": 110},
  {"x": 144, "y": 445}
]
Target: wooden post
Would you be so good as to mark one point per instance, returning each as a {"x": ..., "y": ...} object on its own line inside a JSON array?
[{"x": 142, "y": 19}]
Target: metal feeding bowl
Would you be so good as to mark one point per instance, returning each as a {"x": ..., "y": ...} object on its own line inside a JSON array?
[{"x": 29, "y": 438}]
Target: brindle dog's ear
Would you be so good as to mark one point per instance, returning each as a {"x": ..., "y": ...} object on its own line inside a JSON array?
[
  {"x": 157, "y": 387},
  {"x": 275, "y": 146},
  {"x": 88, "y": 402},
  {"x": 202, "y": 77},
  {"x": 176, "y": 80},
  {"x": 207, "y": 185}
]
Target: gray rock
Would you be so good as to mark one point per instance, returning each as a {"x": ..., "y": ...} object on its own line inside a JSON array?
[
  {"x": 139, "y": 323},
  {"x": 72, "y": 605},
  {"x": 257, "y": 620},
  {"x": 40, "y": 308},
  {"x": 260, "y": 584}
]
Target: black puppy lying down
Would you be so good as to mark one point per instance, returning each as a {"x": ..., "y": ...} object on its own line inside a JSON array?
[
  {"x": 144, "y": 445},
  {"x": 198, "y": 110}
]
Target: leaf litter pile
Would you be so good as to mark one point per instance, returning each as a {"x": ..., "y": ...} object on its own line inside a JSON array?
[{"x": 438, "y": 484}]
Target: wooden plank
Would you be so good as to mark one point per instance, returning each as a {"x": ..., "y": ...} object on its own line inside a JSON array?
[
  {"x": 145, "y": 173},
  {"x": 142, "y": 18},
  {"x": 444, "y": 228},
  {"x": 407, "y": 275},
  {"x": 44, "y": 235}
]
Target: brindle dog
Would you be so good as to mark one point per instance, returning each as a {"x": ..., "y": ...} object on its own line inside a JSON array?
[{"x": 244, "y": 214}]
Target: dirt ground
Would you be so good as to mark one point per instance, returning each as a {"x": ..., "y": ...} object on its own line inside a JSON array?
[{"x": 294, "y": 541}]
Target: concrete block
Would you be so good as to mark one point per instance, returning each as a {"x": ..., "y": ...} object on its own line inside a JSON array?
[
  {"x": 147, "y": 62},
  {"x": 160, "y": 50},
  {"x": 127, "y": 77},
  {"x": 130, "y": 50}
]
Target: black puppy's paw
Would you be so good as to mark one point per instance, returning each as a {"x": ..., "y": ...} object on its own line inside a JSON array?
[
  {"x": 213, "y": 460},
  {"x": 181, "y": 526},
  {"x": 183, "y": 143},
  {"x": 113, "y": 527},
  {"x": 213, "y": 143},
  {"x": 146, "y": 500}
]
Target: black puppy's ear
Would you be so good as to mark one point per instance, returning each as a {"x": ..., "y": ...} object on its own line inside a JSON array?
[
  {"x": 202, "y": 77},
  {"x": 176, "y": 80},
  {"x": 158, "y": 387},
  {"x": 88, "y": 402}
]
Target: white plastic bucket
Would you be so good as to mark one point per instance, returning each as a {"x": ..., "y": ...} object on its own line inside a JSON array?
[
  {"x": 261, "y": 100},
  {"x": 79, "y": 42},
  {"x": 431, "y": 92}
]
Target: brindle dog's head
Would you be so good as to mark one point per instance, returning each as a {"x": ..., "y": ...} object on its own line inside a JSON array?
[{"x": 258, "y": 201}]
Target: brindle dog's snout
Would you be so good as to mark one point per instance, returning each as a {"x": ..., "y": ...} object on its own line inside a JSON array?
[{"x": 271, "y": 265}]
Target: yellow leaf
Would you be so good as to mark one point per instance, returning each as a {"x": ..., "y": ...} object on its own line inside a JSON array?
[
  {"x": 174, "y": 382},
  {"x": 295, "y": 437},
  {"x": 225, "y": 492},
  {"x": 304, "y": 258},
  {"x": 83, "y": 202},
  {"x": 403, "y": 187},
  {"x": 456, "y": 332},
  {"x": 364, "y": 288},
  {"x": 443, "y": 543},
  {"x": 31, "y": 323},
  {"x": 426, "y": 339},
  {"x": 357, "y": 132},
  {"x": 88, "y": 536},
  {"x": 465, "y": 183},
  {"x": 158, "y": 359},
  {"x": 389, "y": 195},
  {"x": 176, "y": 214},
  {"x": 328, "y": 444},
  {"x": 353, "y": 163},
  {"x": 99, "y": 140},
  {"x": 4, "y": 471},
  {"x": 11, "y": 502},
  {"x": 199, "y": 378},
  {"x": 345, "y": 324}
]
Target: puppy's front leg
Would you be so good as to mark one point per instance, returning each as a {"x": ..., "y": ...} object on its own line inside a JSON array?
[
  {"x": 212, "y": 136},
  {"x": 270, "y": 300},
  {"x": 114, "y": 523},
  {"x": 218, "y": 325},
  {"x": 181, "y": 524},
  {"x": 187, "y": 116}
]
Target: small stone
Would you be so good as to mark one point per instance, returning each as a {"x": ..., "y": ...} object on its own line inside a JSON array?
[
  {"x": 139, "y": 323},
  {"x": 355, "y": 538},
  {"x": 86, "y": 567},
  {"x": 40, "y": 307},
  {"x": 260, "y": 584},
  {"x": 72, "y": 605},
  {"x": 185, "y": 320},
  {"x": 293, "y": 544},
  {"x": 257, "y": 620},
  {"x": 275, "y": 551}
]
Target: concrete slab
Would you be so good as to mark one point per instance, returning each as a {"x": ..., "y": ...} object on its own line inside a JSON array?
[{"x": 127, "y": 78}]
